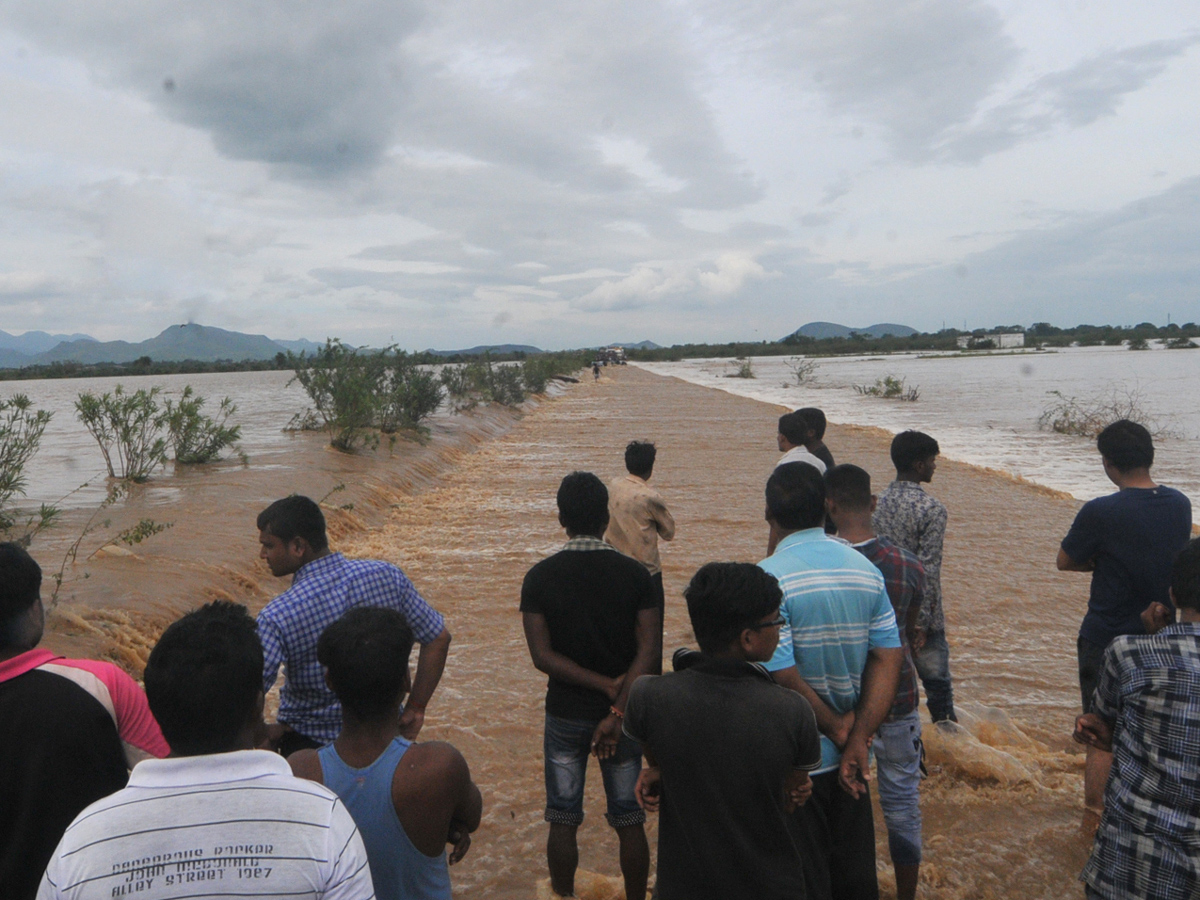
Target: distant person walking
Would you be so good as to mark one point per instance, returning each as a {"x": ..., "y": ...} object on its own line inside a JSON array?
[
  {"x": 592, "y": 625},
  {"x": 638, "y": 517},
  {"x": 910, "y": 518},
  {"x": 408, "y": 800},
  {"x": 325, "y": 585},
  {"x": 1128, "y": 541}
]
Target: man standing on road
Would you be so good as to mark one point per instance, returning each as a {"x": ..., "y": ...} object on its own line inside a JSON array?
[
  {"x": 840, "y": 650},
  {"x": 728, "y": 750},
  {"x": 1146, "y": 712},
  {"x": 1128, "y": 541},
  {"x": 794, "y": 431},
  {"x": 910, "y": 518},
  {"x": 638, "y": 517},
  {"x": 591, "y": 622},
  {"x": 325, "y": 585},
  {"x": 897, "y": 746}
]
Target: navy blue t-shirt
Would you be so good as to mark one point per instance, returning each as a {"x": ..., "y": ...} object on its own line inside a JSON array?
[{"x": 1133, "y": 536}]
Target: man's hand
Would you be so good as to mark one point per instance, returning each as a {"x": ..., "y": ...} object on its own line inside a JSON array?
[
  {"x": 854, "y": 774},
  {"x": 1092, "y": 730},
  {"x": 460, "y": 838},
  {"x": 1156, "y": 617},
  {"x": 797, "y": 788},
  {"x": 605, "y": 737},
  {"x": 649, "y": 789},
  {"x": 411, "y": 721}
]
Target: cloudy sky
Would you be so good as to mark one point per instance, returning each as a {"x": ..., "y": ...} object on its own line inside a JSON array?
[{"x": 492, "y": 171}]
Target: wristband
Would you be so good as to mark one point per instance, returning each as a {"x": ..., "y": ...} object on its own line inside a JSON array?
[{"x": 616, "y": 712}]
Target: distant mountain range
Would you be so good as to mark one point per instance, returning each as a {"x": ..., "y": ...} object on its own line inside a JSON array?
[
  {"x": 640, "y": 345},
  {"x": 176, "y": 344},
  {"x": 488, "y": 348},
  {"x": 822, "y": 330}
]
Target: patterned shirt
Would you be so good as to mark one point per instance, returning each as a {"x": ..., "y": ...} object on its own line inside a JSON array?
[
  {"x": 905, "y": 581},
  {"x": 321, "y": 592},
  {"x": 1148, "y": 844},
  {"x": 836, "y": 611},
  {"x": 914, "y": 520}
]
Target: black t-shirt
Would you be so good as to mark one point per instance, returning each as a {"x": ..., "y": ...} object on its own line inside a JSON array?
[
  {"x": 590, "y": 599},
  {"x": 1133, "y": 536},
  {"x": 61, "y": 753},
  {"x": 725, "y": 737}
]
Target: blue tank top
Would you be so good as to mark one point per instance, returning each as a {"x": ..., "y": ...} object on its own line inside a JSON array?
[{"x": 400, "y": 871}]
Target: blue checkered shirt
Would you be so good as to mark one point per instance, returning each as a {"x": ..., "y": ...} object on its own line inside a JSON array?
[
  {"x": 916, "y": 521},
  {"x": 321, "y": 592},
  {"x": 1148, "y": 844}
]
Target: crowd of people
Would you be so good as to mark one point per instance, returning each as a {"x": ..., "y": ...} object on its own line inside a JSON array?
[{"x": 757, "y": 751}]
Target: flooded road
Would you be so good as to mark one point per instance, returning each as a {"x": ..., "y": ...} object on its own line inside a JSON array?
[{"x": 468, "y": 515}]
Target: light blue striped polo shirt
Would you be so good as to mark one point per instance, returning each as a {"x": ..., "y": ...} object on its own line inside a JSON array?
[{"x": 837, "y": 609}]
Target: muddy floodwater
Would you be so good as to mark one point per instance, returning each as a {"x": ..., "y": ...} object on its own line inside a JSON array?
[{"x": 468, "y": 513}]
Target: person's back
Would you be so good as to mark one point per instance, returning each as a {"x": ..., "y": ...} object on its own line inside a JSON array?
[
  {"x": 727, "y": 743},
  {"x": 407, "y": 799},
  {"x": 216, "y": 819}
]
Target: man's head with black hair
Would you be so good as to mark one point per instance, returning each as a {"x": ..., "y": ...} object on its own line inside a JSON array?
[
  {"x": 814, "y": 421},
  {"x": 294, "y": 517},
  {"x": 1185, "y": 577},
  {"x": 796, "y": 497},
  {"x": 204, "y": 681},
  {"x": 20, "y": 592},
  {"x": 1126, "y": 445},
  {"x": 291, "y": 532},
  {"x": 793, "y": 430},
  {"x": 365, "y": 655},
  {"x": 849, "y": 486},
  {"x": 639, "y": 458},
  {"x": 583, "y": 505},
  {"x": 911, "y": 450},
  {"x": 724, "y": 600}
]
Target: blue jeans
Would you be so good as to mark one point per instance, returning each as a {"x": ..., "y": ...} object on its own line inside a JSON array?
[
  {"x": 567, "y": 744},
  {"x": 898, "y": 774},
  {"x": 933, "y": 665}
]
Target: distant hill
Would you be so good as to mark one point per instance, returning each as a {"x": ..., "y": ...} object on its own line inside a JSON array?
[
  {"x": 175, "y": 344},
  {"x": 300, "y": 346},
  {"x": 33, "y": 342},
  {"x": 491, "y": 348},
  {"x": 822, "y": 330}
]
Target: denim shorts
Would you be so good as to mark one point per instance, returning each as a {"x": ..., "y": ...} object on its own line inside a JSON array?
[
  {"x": 898, "y": 776},
  {"x": 1091, "y": 661},
  {"x": 567, "y": 745}
]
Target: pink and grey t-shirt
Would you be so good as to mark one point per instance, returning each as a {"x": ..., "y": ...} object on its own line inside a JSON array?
[{"x": 76, "y": 728}]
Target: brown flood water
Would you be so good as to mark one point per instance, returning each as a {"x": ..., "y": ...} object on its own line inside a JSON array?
[{"x": 469, "y": 513}]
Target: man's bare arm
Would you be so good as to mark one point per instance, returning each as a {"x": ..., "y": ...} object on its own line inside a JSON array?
[
  {"x": 431, "y": 662},
  {"x": 833, "y": 724},
  {"x": 608, "y": 732},
  {"x": 876, "y": 695},
  {"x": 557, "y": 666}
]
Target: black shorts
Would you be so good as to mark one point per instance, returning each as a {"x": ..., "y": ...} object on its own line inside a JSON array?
[
  {"x": 1091, "y": 661},
  {"x": 837, "y": 836}
]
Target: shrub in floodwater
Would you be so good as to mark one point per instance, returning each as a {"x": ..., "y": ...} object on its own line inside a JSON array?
[
  {"x": 195, "y": 437},
  {"x": 127, "y": 428},
  {"x": 1087, "y": 417},
  {"x": 343, "y": 386},
  {"x": 1181, "y": 343},
  {"x": 21, "y": 429},
  {"x": 408, "y": 393},
  {"x": 481, "y": 382},
  {"x": 802, "y": 369},
  {"x": 745, "y": 368},
  {"x": 889, "y": 387},
  {"x": 1139, "y": 344}
]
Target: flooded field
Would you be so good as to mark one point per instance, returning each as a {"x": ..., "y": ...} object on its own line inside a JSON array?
[{"x": 469, "y": 513}]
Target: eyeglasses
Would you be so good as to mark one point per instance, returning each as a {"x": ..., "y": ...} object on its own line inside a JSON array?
[{"x": 776, "y": 623}]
